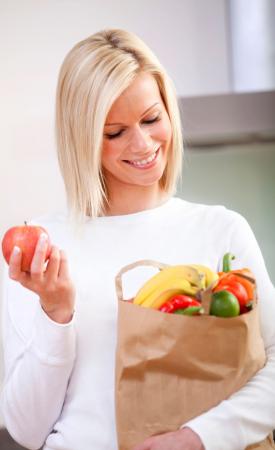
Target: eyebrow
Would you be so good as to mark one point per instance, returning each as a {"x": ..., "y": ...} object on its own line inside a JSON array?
[{"x": 143, "y": 114}]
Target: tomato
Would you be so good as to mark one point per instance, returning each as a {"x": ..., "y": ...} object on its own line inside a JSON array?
[{"x": 236, "y": 289}]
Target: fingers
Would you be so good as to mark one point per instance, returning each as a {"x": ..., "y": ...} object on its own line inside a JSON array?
[
  {"x": 141, "y": 447},
  {"x": 38, "y": 260},
  {"x": 15, "y": 272},
  {"x": 144, "y": 446},
  {"x": 57, "y": 266},
  {"x": 53, "y": 264},
  {"x": 15, "y": 263},
  {"x": 63, "y": 268}
]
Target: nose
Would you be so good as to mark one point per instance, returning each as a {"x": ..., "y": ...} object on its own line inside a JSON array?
[{"x": 140, "y": 141}]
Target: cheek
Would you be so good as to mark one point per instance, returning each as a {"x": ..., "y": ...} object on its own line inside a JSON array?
[
  {"x": 106, "y": 160},
  {"x": 109, "y": 154},
  {"x": 164, "y": 132}
]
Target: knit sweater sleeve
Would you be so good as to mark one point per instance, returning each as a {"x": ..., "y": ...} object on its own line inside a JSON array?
[
  {"x": 248, "y": 415},
  {"x": 39, "y": 356}
]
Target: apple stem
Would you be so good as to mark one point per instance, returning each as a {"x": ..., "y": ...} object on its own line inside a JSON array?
[{"x": 25, "y": 222}]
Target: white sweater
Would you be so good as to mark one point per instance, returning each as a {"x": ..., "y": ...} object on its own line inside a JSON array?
[{"x": 59, "y": 379}]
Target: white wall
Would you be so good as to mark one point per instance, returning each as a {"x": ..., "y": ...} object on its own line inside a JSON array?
[{"x": 253, "y": 44}]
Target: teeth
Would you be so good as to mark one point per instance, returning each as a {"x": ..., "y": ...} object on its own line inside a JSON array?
[{"x": 143, "y": 162}]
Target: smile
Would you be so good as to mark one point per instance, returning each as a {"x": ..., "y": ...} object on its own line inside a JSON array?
[{"x": 144, "y": 163}]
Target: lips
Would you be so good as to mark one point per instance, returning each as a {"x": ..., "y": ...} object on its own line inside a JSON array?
[{"x": 141, "y": 163}]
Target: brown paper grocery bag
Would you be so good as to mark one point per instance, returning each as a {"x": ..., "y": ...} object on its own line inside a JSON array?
[{"x": 171, "y": 368}]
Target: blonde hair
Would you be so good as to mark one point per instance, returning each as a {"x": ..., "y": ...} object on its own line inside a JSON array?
[{"x": 93, "y": 75}]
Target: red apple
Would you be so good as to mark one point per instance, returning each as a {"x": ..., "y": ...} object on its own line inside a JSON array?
[{"x": 25, "y": 237}]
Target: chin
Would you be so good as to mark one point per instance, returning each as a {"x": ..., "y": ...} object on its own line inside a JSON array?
[{"x": 152, "y": 176}]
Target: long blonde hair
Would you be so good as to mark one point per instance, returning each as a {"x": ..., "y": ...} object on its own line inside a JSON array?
[{"x": 93, "y": 75}]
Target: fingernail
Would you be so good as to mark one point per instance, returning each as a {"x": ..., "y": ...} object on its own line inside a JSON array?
[
  {"x": 42, "y": 239},
  {"x": 16, "y": 250}
]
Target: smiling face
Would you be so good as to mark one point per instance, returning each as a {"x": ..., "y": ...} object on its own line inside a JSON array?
[{"x": 137, "y": 137}]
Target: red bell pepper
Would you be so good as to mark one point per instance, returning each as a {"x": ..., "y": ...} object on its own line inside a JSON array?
[{"x": 179, "y": 301}]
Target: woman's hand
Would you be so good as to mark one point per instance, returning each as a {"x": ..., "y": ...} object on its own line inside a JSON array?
[
  {"x": 183, "y": 439},
  {"x": 52, "y": 284}
]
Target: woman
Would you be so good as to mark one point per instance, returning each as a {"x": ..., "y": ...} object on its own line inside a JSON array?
[{"x": 119, "y": 148}]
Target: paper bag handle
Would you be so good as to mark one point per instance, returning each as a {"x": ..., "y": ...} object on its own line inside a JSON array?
[{"x": 142, "y": 262}]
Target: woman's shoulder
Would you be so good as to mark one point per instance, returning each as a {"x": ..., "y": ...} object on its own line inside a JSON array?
[{"x": 205, "y": 211}]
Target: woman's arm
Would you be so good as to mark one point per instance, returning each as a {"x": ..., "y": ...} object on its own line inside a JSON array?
[
  {"x": 248, "y": 416},
  {"x": 39, "y": 356}
]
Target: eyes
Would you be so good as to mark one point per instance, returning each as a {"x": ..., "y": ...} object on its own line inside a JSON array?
[{"x": 119, "y": 133}]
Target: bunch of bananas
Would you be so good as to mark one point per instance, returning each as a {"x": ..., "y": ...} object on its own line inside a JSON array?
[{"x": 173, "y": 280}]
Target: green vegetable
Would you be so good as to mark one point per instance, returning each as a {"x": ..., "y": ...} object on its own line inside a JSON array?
[
  {"x": 190, "y": 311},
  {"x": 228, "y": 257}
]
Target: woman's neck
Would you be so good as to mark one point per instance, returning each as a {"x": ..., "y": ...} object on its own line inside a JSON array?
[{"x": 129, "y": 201}]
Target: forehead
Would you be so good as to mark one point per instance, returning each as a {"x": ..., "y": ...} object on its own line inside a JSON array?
[{"x": 142, "y": 93}]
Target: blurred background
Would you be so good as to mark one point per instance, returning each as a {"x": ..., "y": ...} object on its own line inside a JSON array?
[{"x": 221, "y": 57}]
